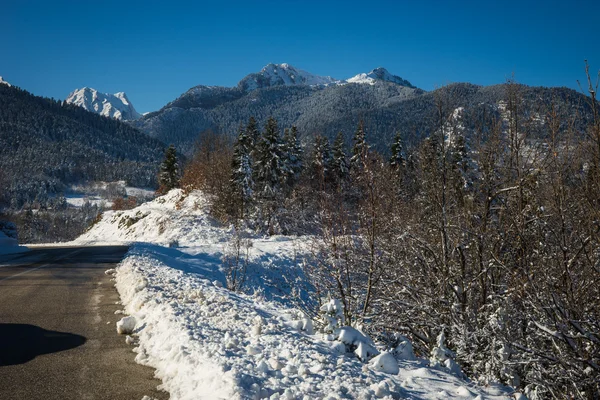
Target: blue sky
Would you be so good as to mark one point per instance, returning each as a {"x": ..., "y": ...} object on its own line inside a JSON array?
[{"x": 154, "y": 51}]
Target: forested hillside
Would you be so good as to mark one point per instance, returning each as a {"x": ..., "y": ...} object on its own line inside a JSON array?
[
  {"x": 47, "y": 145},
  {"x": 384, "y": 107}
]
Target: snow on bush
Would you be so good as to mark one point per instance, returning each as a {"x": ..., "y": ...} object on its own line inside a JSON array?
[
  {"x": 357, "y": 342},
  {"x": 126, "y": 325},
  {"x": 385, "y": 362},
  {"x": 441, "y": 355},
  {"x": 404, "y": 349},
  {"x": 208, "y": 342},
  {"x": 332, "y": 315}
]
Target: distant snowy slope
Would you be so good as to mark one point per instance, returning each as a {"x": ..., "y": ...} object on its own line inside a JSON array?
[
  {"x": 3, "y": 82},
  {"x": 283, "y": 74},
  {"x": 110, "y": 105},
  {"x": 379, "y": 74}
]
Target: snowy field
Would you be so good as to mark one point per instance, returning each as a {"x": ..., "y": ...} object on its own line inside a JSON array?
[
  {"x": 101, "y": 193},
  {"x": 207, "y": 342}
]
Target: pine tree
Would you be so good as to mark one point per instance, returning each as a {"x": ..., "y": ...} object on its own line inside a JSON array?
[
  {"x": 168, "y": 177},
  {"x": 360, "y": 148},
  {"x": 269, "y": 161},
  {"x": 339, "y": 163},
  {"x": 321, "y": 159},
  {"x": 292, "y": 156},
  {"x": 397, "y": 159},
  {"x": 241, "y": 170},
  {"x": 253, "y": 135}
]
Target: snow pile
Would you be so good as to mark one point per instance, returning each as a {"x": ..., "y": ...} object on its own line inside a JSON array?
[
  {"x": 171, "y": 220},
  {"x": 126, "y": 325},
  {"x": 8, "y": 245},
  {"x": 110, "y": 105},
  {"x": 8, "y": 239},
  {"x": 208, "y": 342}
]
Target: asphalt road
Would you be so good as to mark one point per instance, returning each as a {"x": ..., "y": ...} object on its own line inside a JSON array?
[{"x": 58, "y": 338}]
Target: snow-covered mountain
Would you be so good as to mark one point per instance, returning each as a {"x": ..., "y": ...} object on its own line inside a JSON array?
[
  {"x": 287, "y": 75},
  {"x": 110, "y": 105},
  {"x": 379, "y": 74},
  {"x": 283, "y": 74},
  {"x": 2, "y": 81}
]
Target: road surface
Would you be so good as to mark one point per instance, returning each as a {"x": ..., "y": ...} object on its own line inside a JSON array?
[{"x": 57, "y": 328}]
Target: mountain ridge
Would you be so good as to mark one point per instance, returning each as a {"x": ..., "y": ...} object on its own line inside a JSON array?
[{"x": 116, "y": 105}]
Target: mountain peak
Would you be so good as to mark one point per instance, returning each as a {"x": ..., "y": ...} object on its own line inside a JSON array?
[
  {"x": 283, "y": 74},
  {"x": 379, "y": 74},
  {"x": 2, "y": 81},
  {"x": 115, "y": 105}
]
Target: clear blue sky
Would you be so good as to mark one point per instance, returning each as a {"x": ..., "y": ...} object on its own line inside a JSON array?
[{"x": 154, "y": 51}]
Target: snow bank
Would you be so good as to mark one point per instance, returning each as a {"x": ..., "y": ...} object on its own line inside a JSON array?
[
  {"x": 170, "y": 220},
  {"x": 207, "y": 342},
  {"x": 9, "y": 245}
]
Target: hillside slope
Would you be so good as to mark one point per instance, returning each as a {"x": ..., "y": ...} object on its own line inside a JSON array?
[
  {"x": 47, "y": 145},
  {"x": 322, "y": 105}
]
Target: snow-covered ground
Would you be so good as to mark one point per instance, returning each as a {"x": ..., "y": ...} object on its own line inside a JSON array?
[
  {"x": 101, "y": 193},
  {"x": 207, "y": 342},
  {"x": 9, "y": 245},
  {"x": 78, "y": 200}
]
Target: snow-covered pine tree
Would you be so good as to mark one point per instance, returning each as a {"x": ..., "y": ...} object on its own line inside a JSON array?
[
  {"x": 168, "y": 177},
  {"x": 397, "y": 160},
  {"x": 241, "y": 170},
  {"x": 339, "y": 163},
  {"x": 360, "y": 148},
  {"x": 292, "y": 156},
  {"x": 320, "y": 162},
  {"x": 253, "y": 135},
  {"x": 269, "y": 169}
]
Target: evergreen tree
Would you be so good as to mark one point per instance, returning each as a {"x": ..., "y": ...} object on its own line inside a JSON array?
[
  {"x": 321, "y": 160},
  {"x": 269, "y": 161},
  {"x": 397, "y": 159},
  {"x": 339, "y": 163},
  {"x": 241, "y": 170},
  {"x": 360, "y": 148},
  {"x": 168, "y": 177},
  {"x": 292, "y": 156},
  {"x": 253, "y": 135}
]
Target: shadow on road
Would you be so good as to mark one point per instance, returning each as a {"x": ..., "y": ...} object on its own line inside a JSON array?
[{"x": 21, "y": 343}]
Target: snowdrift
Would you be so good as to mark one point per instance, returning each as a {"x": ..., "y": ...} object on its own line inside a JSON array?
[{"x": 9, "y": 244}]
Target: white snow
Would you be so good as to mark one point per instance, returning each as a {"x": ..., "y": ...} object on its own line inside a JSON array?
[
  {"x": 10, "y": 245},
  {"x": 207, "y": 342},
  {"x": 78, "y": 200},
  {"x": 378, "y": 74},
  {"x": 3, "y": 82},
  {"x": 126, "y": 325},
  {"x": 110, "y": 105},
  {"x": 385, "y": 362},
  {"x": 284, "y": 74}
]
